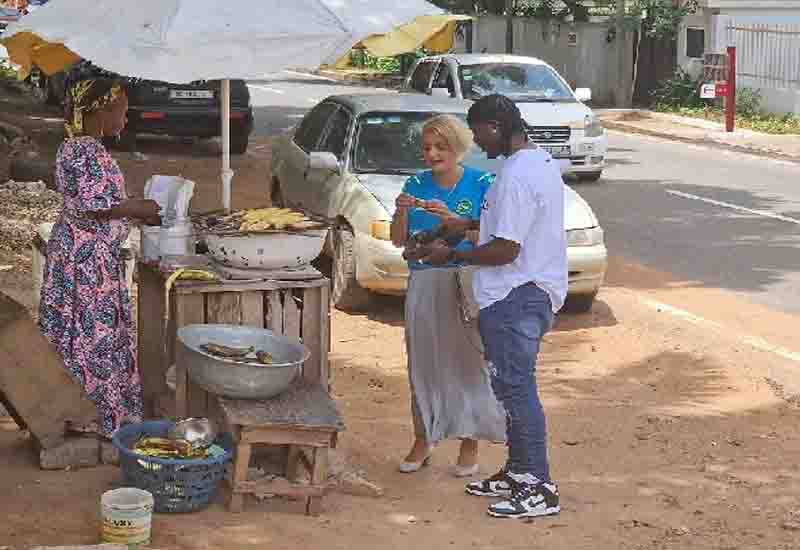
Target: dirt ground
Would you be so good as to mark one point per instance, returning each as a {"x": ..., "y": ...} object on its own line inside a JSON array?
[{"x": 667, "y": 429}]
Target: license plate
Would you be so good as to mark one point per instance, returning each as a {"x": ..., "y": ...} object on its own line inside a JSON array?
[
  {"x": 191, "y": 94},
  {"x": 557, "y": 151}
]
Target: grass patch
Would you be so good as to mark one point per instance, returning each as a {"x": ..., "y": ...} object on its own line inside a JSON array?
[{"x": 759, "y": 122}]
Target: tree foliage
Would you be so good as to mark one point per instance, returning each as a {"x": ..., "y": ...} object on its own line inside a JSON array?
[{"x": 654, "y": 18}]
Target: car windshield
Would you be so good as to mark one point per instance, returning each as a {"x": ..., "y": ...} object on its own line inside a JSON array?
[
  {"x": 390, "y": 143},
  {"x": 519, "y": 81}
]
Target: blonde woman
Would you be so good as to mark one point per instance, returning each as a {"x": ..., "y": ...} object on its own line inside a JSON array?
[{"x": 451, "y": 396}]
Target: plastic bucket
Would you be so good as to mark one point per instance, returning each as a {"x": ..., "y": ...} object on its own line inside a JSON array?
[
  {"x": 127, "y": 514},
  {"x": 151, "y": 236},
  {"x": 176, "y": 240}
]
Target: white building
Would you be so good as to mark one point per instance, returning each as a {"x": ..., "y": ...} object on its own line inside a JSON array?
[{"x": 766, "y": 34}]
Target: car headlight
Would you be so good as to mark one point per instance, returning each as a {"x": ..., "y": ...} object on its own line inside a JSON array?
[
  {"x": 585, "y": 237},
  {"x": 381, "y": 230},
  {"x": 593, "y": 127}
]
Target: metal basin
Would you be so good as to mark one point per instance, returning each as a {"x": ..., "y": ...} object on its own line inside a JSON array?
[
  {"x": 229, "y": 378},
  {"x": 267, "y": 250}
]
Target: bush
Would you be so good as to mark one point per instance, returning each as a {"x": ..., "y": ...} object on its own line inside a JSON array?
[
  {"x": 748, "y": 102},
  {"x": 361, "y": 58},
  {"x": 680, "y": 95},
  {"x": 681, "y": 90},
  {"x": 7, "y": 72}
]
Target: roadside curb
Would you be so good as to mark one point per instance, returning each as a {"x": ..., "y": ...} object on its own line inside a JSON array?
[{"x": 707, "y": 141}]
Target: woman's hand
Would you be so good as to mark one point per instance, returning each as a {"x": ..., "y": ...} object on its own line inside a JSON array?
[
  {"x": 405, "y": 201},
  {"x": 473, "y": 236},
  {"x": 440, "y": 209}
]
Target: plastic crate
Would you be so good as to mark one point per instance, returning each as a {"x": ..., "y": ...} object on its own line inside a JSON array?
[{"x": 177, "y": 485}]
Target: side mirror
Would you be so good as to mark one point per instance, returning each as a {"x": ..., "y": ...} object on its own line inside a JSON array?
[
  {"x": 583, "y": 94},
  {"x": 440, "y": 92},
  {"x": 324, "y": 162}
]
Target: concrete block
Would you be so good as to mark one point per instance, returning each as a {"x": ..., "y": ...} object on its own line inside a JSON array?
[{"x": 75, "y": 452}]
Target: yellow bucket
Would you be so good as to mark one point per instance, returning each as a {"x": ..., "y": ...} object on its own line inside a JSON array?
[{"x": 127, "y": 514}]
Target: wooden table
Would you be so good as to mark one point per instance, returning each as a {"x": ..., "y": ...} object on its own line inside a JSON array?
[
  {"x": 296, "y": 308},
  {"x": 304, "y": 419}
]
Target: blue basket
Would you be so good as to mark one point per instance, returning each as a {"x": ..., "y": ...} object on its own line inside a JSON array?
[{"x": 177, "y": 485}]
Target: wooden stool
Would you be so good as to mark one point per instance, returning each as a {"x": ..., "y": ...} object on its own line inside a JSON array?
[{"x": 305, "y": 419}]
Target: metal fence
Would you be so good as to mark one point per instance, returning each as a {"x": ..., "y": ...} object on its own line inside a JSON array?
[{"x": 768, "y": 56}]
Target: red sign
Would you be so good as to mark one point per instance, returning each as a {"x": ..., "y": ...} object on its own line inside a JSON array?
[{"x": 721, "y": 89}]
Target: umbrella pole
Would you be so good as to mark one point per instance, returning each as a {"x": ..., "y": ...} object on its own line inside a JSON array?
[{"x": 227, "y": 173}]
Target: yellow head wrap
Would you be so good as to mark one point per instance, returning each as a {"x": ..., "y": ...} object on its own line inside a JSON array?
[{"x": 86, "y": 96}]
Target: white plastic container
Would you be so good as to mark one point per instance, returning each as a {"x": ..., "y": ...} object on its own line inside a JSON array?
[
  {"x": 176, "y": 240},
  {"x": 127, "y": 516},
  {"x": 151, "y": 247}
]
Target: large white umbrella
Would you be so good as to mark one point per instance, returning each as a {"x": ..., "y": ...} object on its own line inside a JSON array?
[{"x": 186, "y": 40}]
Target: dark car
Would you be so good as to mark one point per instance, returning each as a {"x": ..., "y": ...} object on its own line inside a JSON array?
[
  {"x": 183, "y": 110},
  {"x": 8, "y": 16}
]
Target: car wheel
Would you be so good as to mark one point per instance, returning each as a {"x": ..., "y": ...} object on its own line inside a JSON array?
[
  {"x": 579, "y": 303},
  {"x": 239, "y": 142},
  {"x": 346, "y": 293},
  {"x": 589, "y": 177}
]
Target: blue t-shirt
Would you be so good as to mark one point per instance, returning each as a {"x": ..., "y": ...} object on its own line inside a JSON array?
[{"x": 464, "y": 199}]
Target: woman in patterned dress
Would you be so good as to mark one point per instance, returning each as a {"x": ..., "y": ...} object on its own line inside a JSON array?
[{"x": 85, "y": 309}]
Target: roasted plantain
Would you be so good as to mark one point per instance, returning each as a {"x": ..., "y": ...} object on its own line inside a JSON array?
[{"x": 226, "y": 352}]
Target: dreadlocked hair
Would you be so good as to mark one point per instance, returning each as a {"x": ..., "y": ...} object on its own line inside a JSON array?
[{"x": 498, "y": 108}]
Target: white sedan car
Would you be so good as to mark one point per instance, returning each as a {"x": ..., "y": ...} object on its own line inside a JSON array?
[
  {"x": 557, "y": 118},
  {"x": 347, "y": 161}
]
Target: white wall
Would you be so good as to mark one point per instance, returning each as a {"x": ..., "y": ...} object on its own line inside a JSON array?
[{"x": 779, "y": 100}]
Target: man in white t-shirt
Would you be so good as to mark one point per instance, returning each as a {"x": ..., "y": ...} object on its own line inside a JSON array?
[{"x": 521, "y": 284}]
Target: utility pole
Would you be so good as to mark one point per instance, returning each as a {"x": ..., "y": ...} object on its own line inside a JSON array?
[
  {"x": 623, "y": 74},
  {"x": 509, "y": 26}
]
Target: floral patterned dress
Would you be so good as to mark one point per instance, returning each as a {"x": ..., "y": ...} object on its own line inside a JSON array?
[{"x": 85, "y": 309}]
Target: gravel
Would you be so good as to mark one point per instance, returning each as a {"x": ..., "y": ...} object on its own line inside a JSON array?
[{"x": 23, "y": 207}]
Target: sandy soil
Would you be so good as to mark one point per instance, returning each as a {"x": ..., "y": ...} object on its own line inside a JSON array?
[{"x": 666, "y": 431}]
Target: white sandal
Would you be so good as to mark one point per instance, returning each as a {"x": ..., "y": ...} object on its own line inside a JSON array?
[
  {"x": 460, "y": 471},
  {"x": 411, "y": 467}
]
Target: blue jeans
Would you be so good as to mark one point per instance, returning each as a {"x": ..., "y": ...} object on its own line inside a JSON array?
[{"x": 512, "y": 330}]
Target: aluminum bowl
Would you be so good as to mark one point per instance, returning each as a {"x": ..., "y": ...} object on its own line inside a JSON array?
[
  {"x": 200, "y": 433},
  {"x": 267, "y": 250},
  {"x": 234, "y": 379}
]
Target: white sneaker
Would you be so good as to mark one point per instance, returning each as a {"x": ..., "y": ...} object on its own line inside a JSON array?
[
  {"x": 528, "y": 501},
  {"x": 499, "y": 485}
]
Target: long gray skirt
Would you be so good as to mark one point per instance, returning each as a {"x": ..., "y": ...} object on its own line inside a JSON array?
[{"x": 451, "y": 395}]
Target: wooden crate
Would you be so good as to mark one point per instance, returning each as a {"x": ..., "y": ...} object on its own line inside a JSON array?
[{"x": 296, "y": 308}]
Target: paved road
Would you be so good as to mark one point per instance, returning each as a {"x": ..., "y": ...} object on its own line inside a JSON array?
[
  {"x": 281, "y": 100},
  {"x": 715, "y": 218}
]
